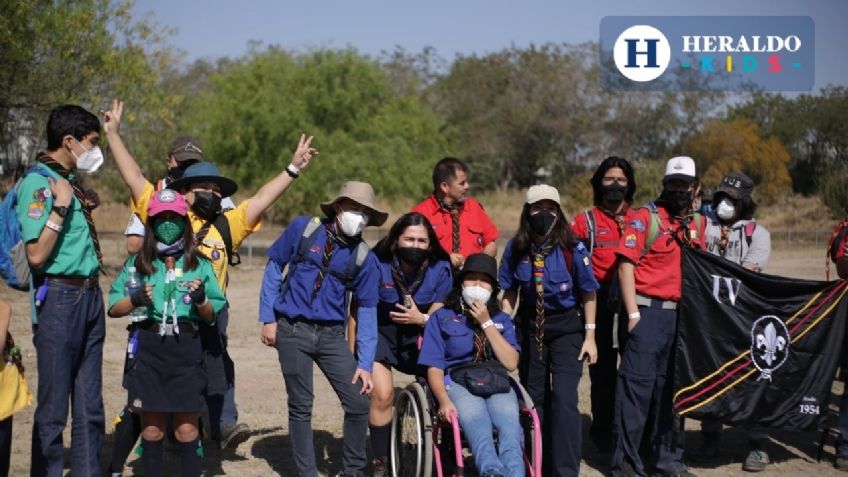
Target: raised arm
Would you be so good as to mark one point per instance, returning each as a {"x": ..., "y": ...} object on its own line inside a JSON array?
[
  {"x": 272, "y": 190},
  {"x": 126, "y": 164}
]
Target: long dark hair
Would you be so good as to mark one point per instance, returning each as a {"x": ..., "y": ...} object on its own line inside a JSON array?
[
  {"x": 746, "y": 205},
  {"x": 386, "y": 248},
  {"x": 598, "y": 176},
  {"x": 560, "y": 233},
  {"x": 144, "y": 259}
]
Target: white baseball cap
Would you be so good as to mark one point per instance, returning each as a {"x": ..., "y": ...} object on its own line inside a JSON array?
[
  {"x": 542, "y": 192},
  {"x": 680, "y": 167}
]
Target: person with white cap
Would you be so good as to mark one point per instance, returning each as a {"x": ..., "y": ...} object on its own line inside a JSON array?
[
  {"x": 650, "y": 276},
  {"x": 552, "y": 274},
  {"x": 303, "y": 315}
]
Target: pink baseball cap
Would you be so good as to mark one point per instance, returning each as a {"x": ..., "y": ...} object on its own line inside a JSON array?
[{"x": 167, "y": 200}]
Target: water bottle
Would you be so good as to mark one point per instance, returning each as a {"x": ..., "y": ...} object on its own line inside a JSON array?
[{"x": 134, "y": 284}]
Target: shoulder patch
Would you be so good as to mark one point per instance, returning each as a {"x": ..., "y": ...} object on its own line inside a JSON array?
[
  {"x": 41, "y": 194},
  {"x": 637, "y": 225},
  {"x": 630, "y": 241},
  {"x": 35, "y": 209}
]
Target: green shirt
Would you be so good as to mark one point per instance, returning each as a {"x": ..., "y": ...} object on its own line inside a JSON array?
[
  {"x": 73, "y": 253},
  {"x": 186, "y": 310}
]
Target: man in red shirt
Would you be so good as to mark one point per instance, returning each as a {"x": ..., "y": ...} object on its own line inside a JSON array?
[
  {"x": 461, "y": 224},
  {"x": 650, "y": 276},
  {"x": 838, "y": 252},
  {"x": 600, "y": 229}
]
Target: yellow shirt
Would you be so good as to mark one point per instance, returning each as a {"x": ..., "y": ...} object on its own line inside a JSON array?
[{"x": 213, "y": 245}]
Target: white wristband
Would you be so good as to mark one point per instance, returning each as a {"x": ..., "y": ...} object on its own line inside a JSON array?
[
  {"x": 54, "y": 226},
  {"x": 590, "y": 326},
  {"x": 487, "y": 324},
  {"x": 293, "y": 169},
  {"x": 426, "y": 318},
  {"x": 634, "y": 316}
]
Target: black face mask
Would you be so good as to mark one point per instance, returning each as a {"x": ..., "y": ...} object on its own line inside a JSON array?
[
  {"x": 412, "y": 256},
  {"x": 676, "y": 201},
  {"x": 206, "y": 205},
  {"x": 614, "y": 192},
  {"x": 541, "y": 223}
]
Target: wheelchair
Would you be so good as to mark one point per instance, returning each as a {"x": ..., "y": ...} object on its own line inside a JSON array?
[{"x": 422, "y": 445}]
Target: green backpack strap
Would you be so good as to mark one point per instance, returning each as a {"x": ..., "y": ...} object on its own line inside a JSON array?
[{"x": 653, "y": 227}]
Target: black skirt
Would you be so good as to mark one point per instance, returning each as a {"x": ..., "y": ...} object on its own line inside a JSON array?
[
  {"x": 397, "y": 345},
  {"x": 167, "y": 374}
]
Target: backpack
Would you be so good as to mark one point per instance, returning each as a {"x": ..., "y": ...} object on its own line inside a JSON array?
[
  {"x": 654, "y": 226},
  {"x": 222, "y": 224},
  {"x": 592, "y": 240},
  {"x": 354, "y": 264},
  {"x": 14, "y": 266}
]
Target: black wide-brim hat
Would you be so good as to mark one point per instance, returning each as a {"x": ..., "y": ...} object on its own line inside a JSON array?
[
  {"x": 204, "y": 172},
  {"x": 481, "y": 263}
]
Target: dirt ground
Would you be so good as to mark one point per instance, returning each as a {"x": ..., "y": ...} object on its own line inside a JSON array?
[{"x": 262, "y": 400}]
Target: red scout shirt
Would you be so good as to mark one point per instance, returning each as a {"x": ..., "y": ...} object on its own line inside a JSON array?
[
  {"x": 659, "y": 273},
  {"x": 607, "y": 237},
  {"x": 476, "y": 230},
  {"x": 838, "y": 242}
]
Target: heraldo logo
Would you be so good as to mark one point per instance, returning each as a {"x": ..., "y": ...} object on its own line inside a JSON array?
[
  {"x": 707, "y": 53},
  {"x": 642, "y": 53}
]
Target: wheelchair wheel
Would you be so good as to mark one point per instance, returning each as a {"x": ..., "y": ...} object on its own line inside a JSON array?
[{"x": 412, "y": 435}]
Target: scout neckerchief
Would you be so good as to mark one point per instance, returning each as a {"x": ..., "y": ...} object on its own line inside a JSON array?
[
  {"x": 81, "y": 197},
  {"x": 329, "y": 247},
  {"x": 170, "y": 296},
  {"x": 454, "y": 210},
  {"x": 724, "y": 240},
  {"x": 481, "y": 343},
  {"x": 539, "y": 253},
  {"x": 400, "y": 280}
]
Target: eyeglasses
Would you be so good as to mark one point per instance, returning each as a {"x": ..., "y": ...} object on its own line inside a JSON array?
[
  {"x": 189, "y": 147},
  {"x": 610, "y": 180}
]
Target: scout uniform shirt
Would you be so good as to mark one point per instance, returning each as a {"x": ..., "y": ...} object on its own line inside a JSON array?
[
  {"x": 659, "y": 272},
  {"x": 449, "y": 339},
  {"x": 558, "y": 283},
  {"x": 213, "y": 245},
  {"x": 476, "y": 230},
  {"x": 607, "y": 235},
  {"x": 434, "y": 288},
  {"x": 74, "y": 253},
  {"x": 186, "y": 310}
]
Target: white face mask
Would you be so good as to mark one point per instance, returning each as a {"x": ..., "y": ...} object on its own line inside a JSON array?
[
  {"x": 352, "y": 222},
  {"x": 725, "y": 210},
  {"x": 90, "y": 160},
  {"x": 474, "y": 293}
]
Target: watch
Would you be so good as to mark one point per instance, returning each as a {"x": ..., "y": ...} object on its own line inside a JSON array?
[{"x": 61, "y": 210}]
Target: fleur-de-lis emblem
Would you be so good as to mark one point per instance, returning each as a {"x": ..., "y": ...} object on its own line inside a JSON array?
[{"x": 771, "y": 343}]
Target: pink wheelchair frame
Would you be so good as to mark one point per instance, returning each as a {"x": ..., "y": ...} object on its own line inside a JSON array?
[{"x": 419, "y": 424}]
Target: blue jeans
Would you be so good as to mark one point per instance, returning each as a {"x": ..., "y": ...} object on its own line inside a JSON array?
[
  {"x": 477, "y": 417},
  {"x": 300, "y": 343},
  {"x": 69, "y": 351}
]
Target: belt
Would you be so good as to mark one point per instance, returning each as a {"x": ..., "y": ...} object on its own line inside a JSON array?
[
  {"x": 156, "y": 327},
  {"x": 300, "y": 319},
  {"x": 642, "y": 300},
  {"x": 82, "y": 282}
]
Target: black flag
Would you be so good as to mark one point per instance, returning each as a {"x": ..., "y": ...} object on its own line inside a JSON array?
[{"x": 755, "y": 349}]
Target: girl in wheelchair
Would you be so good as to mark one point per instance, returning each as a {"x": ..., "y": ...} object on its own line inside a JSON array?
[
  {"x": 415, "y": 279},
  {"x": 468, "y": 347}
]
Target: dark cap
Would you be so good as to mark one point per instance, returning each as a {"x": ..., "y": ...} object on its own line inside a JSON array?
[
  {"x": 481, "y": 263},
  {"x": 186, "y": 148},
  {"x": 737, "y": 185}
]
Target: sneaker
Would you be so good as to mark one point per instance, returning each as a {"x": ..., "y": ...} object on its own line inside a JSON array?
[
  {"x": 756, "y": 461},
  {"x": 380, "y": 469},
  {"x": 231, "y": 437},
  {"x": 679, "y": 473},
  {"x": 841, "y": 462}
]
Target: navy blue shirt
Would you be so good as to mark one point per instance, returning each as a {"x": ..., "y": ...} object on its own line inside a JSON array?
[
  {"x": 558, "y": 283},
  {"x": 433, "y": 289},
  {"x": 449, "y": 338},
  {"x": 329, "y": 303}
]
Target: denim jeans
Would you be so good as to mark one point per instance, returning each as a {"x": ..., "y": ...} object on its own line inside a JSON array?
[
  {"x": 478, "y": 416},
  {"x": 301, "y": 343},
  {"x": 69, "y": 351}
]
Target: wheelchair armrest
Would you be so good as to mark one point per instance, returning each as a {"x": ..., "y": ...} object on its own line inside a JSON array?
[{"x": 524, "y": 399}]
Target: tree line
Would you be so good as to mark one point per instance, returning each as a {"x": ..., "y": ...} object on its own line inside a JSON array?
[{"x": 518, "y": 116}]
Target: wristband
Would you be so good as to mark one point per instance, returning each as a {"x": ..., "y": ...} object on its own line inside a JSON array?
[
  {"x": 487, "y": 324},
  {"x": 634, "y": 316},
  {"x": 590, "y": 326},
  {"x": 54, "y": 226},
  {"x": 293, "y": 171},
  {"x": 426, "y": 318}
]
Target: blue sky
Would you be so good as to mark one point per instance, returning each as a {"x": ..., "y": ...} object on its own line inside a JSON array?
[{"x": 215, "y": 28}]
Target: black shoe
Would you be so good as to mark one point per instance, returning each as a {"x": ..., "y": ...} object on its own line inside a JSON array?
[
  {"x": 710, "y": 445},
  {"x": 231, "y": 437},
  {"x": 679, "y": 473},
  {"x": 626, "y": 470},
  {"x": 380, "y": 469}
]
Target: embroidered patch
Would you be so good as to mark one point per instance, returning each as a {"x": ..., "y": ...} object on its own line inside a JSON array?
[
  {"x": 216, "y": 255},
  {"x": 630, "y": 241},
  {"x": 35, "y": 210},
  {"x": 136, "y": 403},
  {"x": 315, "y": 249},
  {"x": 603, "y": 232},
  {"x": 178, "y": 272},
  {"x": 388, "y": 284},
  {"x": 187, "y": 299},
  {"x": 637, "y": 225},
  {"x": 498, "y": 326},
  {"x": 41, "y": 194}
]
